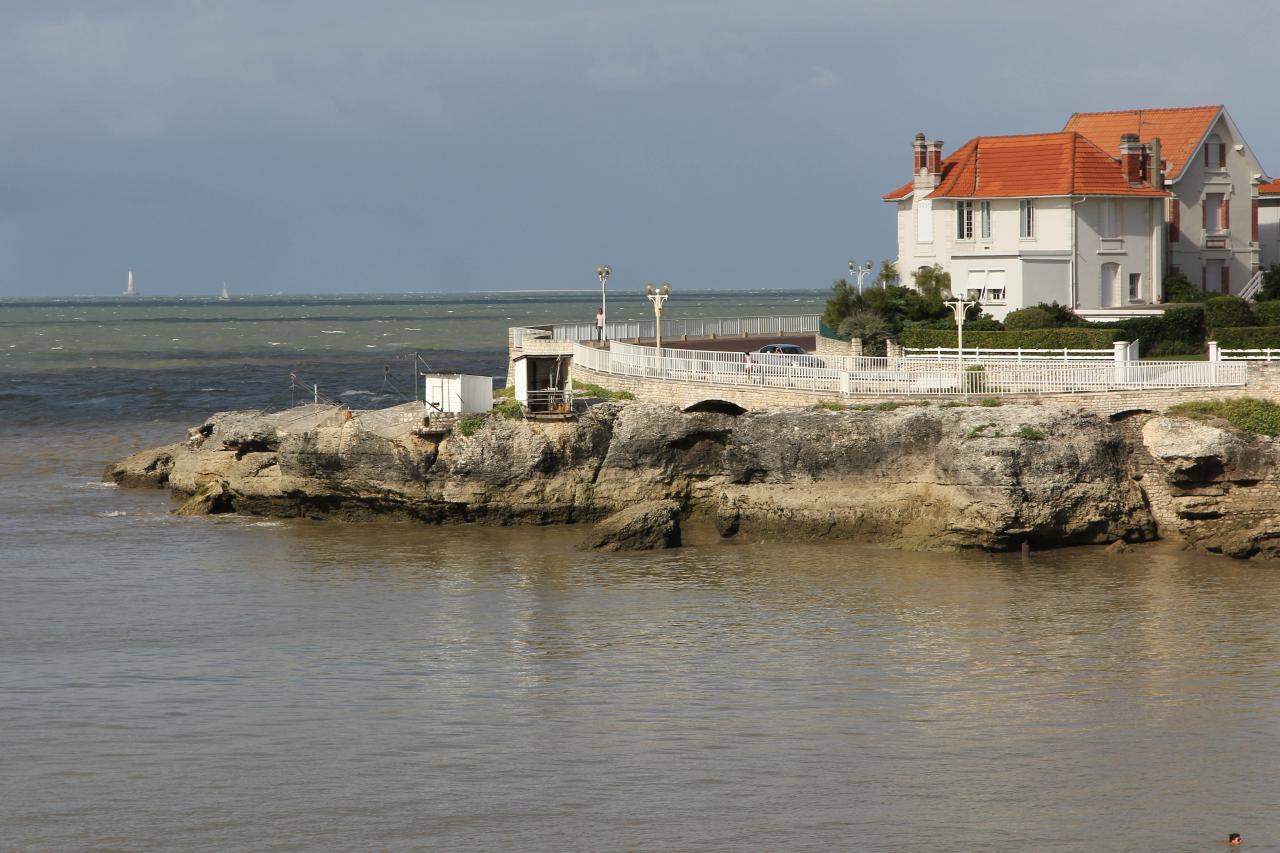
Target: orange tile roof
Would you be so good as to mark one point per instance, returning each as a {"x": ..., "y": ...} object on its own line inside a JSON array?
[
  {"x": 1040, "y": 164},
  {"x": 1180, "y": 130},
  {"x": 1272, "y": 188}
]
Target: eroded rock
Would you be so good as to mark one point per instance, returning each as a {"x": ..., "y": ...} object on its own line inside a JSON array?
[{"x": 644, "y": 527}]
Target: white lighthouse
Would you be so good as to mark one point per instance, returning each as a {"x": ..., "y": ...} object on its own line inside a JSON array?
[{"x": 130, "y": 290}]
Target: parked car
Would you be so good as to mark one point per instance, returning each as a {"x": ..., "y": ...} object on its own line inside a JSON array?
[{"x": 787, "y": 354}]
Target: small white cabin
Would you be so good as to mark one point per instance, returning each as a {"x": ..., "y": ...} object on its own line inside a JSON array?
[{"x": 457, "y": 393}]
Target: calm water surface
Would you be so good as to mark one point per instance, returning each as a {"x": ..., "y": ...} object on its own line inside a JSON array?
[{"x": 235, "y": 684}]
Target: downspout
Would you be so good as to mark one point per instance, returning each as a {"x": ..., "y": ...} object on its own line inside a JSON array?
[{"x": 1071, "y": 265}]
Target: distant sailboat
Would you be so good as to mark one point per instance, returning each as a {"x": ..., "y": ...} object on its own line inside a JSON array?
[
  {"x": 130, "y": 290},
  {"x": 225, "y": 296}
]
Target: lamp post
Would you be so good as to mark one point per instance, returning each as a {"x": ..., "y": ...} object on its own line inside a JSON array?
[
  {"x": 960, "y": 306},
  {"x": 860, "y": 272},
  {"x": 603, "y": 274},
  {"x": 657, "y": 295}
]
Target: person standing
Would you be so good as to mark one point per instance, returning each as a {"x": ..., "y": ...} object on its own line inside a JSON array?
[{"x": 600, "y": 325}]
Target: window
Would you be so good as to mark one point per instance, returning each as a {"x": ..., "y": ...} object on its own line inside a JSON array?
[
  {"x": 1212, "y": 213},
  {"x": 1215, "y": 153},
  {"x": 987, "y": 286},
  {"x": 924, "y": 221},
  {"x": 1026, "y": 219},
  {"x": 1109, "y": 221},
  {"x": 964, "y": 220},
  {"x": 984, "y": 210},
  {"x": 1135, "y": 286}
]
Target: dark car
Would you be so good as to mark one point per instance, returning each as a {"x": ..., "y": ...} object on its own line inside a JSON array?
[{"x": 787, "y": 354}]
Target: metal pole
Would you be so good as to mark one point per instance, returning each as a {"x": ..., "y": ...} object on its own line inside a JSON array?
[{"x": 316, "y": 388}]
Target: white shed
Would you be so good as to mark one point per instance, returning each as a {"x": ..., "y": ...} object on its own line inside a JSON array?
[{"x": 457, "y": 393}]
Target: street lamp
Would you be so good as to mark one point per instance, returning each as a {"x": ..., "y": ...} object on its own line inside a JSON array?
[
  {"x": 960, "y": 307},
  {"x": 657, "y": 295},
  {"x": 860, "y": 272},
  {"x": 603, "y": 273}
]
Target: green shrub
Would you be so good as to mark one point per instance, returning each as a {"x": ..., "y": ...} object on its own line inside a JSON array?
[
  {"x": 1222, "y": 312},
  {"x": 870, "y": 327},
  {"x": 832, "y": 406},
  {"x": 1029, "y": 434},
  {"x": 990, "y": 402},
  {"x": 1268, "y": 313},
  {"x": 508, "y": 407},
  {"x": 1029, "y": 318},
  {"x": 1177, "y": 288},
  {"x": 469, "y": 425},
  {"x": 602, "y": 393},
  {"x": 509, "y": 391},
  {"x": 1247, "y": 337},
  {"x": 1244, "y": 413},
  {"x": 1071, "y": 338}
]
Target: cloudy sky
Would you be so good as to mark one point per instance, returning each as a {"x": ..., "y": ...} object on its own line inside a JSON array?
[{"x": 428, "y": 145}]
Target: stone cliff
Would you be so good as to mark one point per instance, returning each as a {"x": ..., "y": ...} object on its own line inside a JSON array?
[{"x": 921, "y": 477}]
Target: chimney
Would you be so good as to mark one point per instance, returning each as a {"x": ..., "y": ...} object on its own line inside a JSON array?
[
  {"x": 1131, "y": 158},
  {"x": 934, "y": 158},
  {"x": 917, "y": 151},
  {"x": 1155, "y": 171}
]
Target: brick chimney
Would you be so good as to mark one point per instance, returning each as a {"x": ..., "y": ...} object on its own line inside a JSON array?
[
  {"x": 1155, "y": 166},
  {"x": 1131, "y": 152},
  {"x": 933, "y": 158},
  {"x": 918, "y": 146}
]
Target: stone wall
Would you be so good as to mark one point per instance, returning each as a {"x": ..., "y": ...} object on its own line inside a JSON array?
[
  {"x": 1264, "y": 382},
  {"x": 832, "y": 347}
]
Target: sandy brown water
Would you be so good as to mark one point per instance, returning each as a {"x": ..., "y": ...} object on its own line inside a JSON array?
[{"x": 239, "y": 684}]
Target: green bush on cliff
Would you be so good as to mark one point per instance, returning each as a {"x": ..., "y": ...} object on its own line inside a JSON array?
[
  {"x": 469, "y": 425},
  {"x": 1244, "y": 413},
  {"x": 509, "y": 408},
  {"x": 593, "y": 390}
]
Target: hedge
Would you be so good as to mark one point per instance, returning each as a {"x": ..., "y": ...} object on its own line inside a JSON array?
[
  {"x": 1068, "y": 338},
  {"x": 1247, "y": 337},
  {"x": 1268, "y": 313}
]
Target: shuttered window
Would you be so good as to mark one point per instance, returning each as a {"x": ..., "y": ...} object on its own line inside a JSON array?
[{"x": 1175, "y": 215}]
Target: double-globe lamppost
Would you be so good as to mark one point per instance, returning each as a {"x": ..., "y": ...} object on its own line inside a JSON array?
[
  {"x": 657, "y": 295},
  {"x": 860, "y": 272},
  {"x": 960, "y": 307},
  {"x": 603, "y": 274}
]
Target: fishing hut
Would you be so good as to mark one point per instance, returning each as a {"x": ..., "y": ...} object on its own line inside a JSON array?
[
  {"x": 542, "y": 385},
  {"x": 457, "y": 393}
]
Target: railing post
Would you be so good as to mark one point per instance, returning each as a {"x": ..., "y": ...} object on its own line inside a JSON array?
[{"x": 1215, "y": 354}]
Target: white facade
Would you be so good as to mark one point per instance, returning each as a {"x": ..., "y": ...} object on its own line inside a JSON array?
[
  {"x": 1108, "y": 247},
  {"x": 1269, "y": 229}
]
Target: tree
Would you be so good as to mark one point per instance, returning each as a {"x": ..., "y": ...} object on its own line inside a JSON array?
[
  {"x": 1177, "y": 288},
  {"x": 932, "y": 280},
  {"x": 888, "y": 273},
  {"x": 839, "y": 303}
]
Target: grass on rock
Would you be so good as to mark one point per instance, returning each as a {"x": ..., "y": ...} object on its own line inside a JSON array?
[{"x": 1248, "y": 414}]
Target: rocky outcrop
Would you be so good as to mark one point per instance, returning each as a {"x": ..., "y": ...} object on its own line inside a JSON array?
[
  {"x": 644, "y": 527},
  {"x": 1219, "y": 487},
  {"x": 917, "y": 477}
]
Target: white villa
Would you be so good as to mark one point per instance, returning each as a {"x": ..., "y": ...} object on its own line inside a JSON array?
[{"x": 1092, "y": 216}]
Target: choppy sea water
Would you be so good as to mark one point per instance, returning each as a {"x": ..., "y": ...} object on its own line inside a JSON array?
[{"x": 248, "y": 684}]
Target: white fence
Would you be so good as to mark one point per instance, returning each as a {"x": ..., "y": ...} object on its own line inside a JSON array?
[
  {"x": 1267, "y": 355},
  {"x": 796, "y": 324},
  {"x": 1123, "y": 351},
  {"x": 886, "y": 377}
]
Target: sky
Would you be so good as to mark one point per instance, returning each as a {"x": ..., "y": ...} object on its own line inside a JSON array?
[{"x": 431, "y": 145}]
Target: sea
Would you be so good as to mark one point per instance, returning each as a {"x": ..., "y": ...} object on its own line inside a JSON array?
[{"x": 248, "y": 684}]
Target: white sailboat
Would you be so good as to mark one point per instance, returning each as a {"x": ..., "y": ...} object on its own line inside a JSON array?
[
  {"x": 225, "y": 296},
  {"x": 130, "y": 290}
]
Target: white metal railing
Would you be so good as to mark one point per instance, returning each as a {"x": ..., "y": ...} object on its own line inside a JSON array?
[
  {"x": 886, "y": 377},
  {"x": 1252, "y": 286},
  {"x": 694, "y": 327},
  {"x": 1249, "y": 354},
  {"x": 520, "y": 333},
  {"x": 1019, "y": 354}
]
